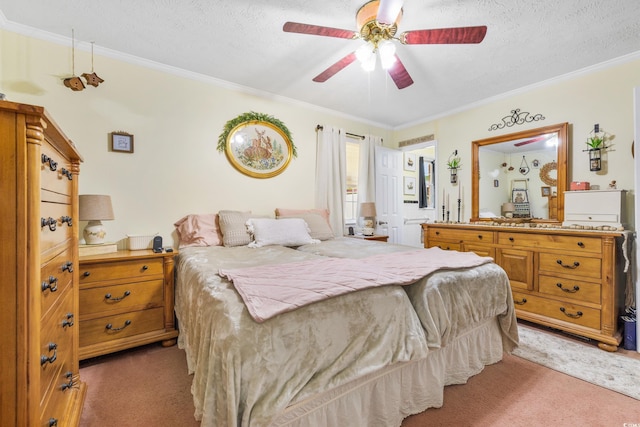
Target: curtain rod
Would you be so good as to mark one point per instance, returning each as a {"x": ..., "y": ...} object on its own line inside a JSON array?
[{"x": 353, "y": 135}]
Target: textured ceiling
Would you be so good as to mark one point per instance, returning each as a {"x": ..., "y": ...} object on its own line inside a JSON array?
[{"x": 242, "y": 42}]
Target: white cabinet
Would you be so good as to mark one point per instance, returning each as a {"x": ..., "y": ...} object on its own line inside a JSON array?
[{"x": 595, "y": 208}]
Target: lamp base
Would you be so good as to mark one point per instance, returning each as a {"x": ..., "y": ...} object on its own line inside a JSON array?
[
  {"x": 366, "y": 231},
  {"x": 94, "y": 233}
]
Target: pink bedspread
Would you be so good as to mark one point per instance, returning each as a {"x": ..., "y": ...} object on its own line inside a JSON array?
[{"x": 269, "y": 290}]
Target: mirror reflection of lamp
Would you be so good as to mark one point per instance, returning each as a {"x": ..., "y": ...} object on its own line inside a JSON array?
[
  {"x": 368, "y": 212},
  {"x": 95, "y": 208},
  {"x": 508, "y": 209}
]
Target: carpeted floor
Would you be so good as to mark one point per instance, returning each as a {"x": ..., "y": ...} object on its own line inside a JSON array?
[{"x": 150, "y": 386}]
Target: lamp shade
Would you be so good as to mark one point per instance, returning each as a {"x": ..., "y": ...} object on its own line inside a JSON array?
[
  {"x": 508, "y": 207},
  {"x": 368, "y": 209},
  {"x": 95, "y": 207}
]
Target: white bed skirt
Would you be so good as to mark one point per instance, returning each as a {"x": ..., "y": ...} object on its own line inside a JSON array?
[{"x": 386, "y": 397}]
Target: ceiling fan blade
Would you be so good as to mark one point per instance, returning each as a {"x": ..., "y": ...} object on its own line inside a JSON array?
[
  {"x": 296, "y": 27},
  {"x": 445, "y": 35},
  {"x": 332, "y": 70},
  {"x": 399, "y": 74},
  {"x": 532, "y": 140},
  {"x": 388, "y": 11}
]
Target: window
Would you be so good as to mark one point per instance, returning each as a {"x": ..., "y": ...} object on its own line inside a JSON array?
[{"x": 351, "y": 197}]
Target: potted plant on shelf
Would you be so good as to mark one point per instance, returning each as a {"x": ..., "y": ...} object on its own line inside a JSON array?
[
  {"x": 595, "y": 144},
  {"x": 453, "y": 164}
]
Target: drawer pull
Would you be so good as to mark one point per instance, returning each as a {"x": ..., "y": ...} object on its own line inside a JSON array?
[
  {"x": 68, "y": 266},
  {"x": 522, "y": 302},
  {"x": 111, "y": 328},
  {"x": 67, "y": 173},
  {"x": 581, "y": 244},
  {"x": 86, "y": 274},
  {"x": 437, "y": 233},
  {"x": 52, "y": 223},
  {"x": 53, "y": 165},
  {"x": 573, "y": 316},
  {"x": 480, "y": 236},
  {"x": 511, "y": 239},
  {"x": 68, "y": 321},
  {"x": 145, "y": 267},
  {"x": 66, "y": 219},
  {"x": 53, "y": 422},
  {"x": 51, "y": 285},
  {"x": 576, "y": 264},
  {"x": 70, "y": 384},
  {"x": 44, "y": 359},
  {"x": 116, "y": 299},
  {"x": 575, "y": 289}
]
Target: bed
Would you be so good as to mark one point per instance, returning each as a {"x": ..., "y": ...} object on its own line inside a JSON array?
[{"x": 364, "y": 358}]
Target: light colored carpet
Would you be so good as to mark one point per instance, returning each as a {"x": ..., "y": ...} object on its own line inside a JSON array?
[{"x": 609, "y": 370}]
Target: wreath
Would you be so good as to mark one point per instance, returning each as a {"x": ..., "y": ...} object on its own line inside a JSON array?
[
  {"x": 545, "y": 174},
  {"x": 253, "y": 116}
]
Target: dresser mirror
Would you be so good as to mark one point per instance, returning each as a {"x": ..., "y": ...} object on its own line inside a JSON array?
[{"x": 520, "y": 177}]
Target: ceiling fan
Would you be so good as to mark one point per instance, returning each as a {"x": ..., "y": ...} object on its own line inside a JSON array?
[{"x": 377, "y": 23}]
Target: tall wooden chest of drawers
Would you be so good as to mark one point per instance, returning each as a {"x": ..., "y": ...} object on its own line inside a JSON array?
[
  {"x": 567, "y": 279},
  {"x": 126, "y": 300},
  {"x": 39, "y": 166}
]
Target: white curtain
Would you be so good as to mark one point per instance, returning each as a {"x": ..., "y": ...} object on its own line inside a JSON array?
[
  {"x": 367, "y": 169},
  {"x": 331, "y": 175}
]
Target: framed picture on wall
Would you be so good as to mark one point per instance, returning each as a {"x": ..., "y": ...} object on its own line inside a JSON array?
[
  {"x": 122, "y": 142},
  {"x": 545, "y": 191},
  {"x": 409, "y": 161},
  {"x": 410, "y": 185}
]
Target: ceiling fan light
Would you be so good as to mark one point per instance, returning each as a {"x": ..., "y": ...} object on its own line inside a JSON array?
[
  {"x": 370, "y": 64},
  {"x": 387, "y": 53},
  {"x": 364, "y": 53}
]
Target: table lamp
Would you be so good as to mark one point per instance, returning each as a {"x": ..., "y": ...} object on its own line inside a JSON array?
[
  {"x": 508, "y": 209},
  {"x": 95, "y": 208},
  {"x": 368, "y": 212}
]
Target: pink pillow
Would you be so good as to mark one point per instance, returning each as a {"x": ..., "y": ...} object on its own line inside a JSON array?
[
  {"x": 199, "y": 230},
  {"x": 317, "y": 220}
]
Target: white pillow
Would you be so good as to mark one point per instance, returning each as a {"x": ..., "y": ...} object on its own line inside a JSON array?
[{"x": 285, "y": 232}]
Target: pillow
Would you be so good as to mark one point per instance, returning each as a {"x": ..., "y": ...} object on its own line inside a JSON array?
[
  {"x": 317, "y": 219},
  {"x": 198, "y": 230},
  {"x": 233, "y": 227},
  {"x": 285, "y": 232}
]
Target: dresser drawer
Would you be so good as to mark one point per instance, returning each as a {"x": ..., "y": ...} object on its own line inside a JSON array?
[
  {"x": 56, "y": 342},
  {"x": 559, "y": 310},
  {"x": 96, "y": 302},
  {"x": 55, "y": 171},
  {"x": 571, "y": 264},
  {"x": 551, "y": 241},
  {"x": 54, "y": 227},
  {"x": 479, "y": 236},
  {"x": 56, "y": 276},
  {"x": 447, "y": 246},
  {"x": 132, "y": 269},
  {"x": 111, "y": 328},
  {"x": 570, "y": 288}
]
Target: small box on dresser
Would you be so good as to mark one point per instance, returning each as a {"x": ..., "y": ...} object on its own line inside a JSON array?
[
  {"x": 595, "y": 208},
  {"x": 126, "y": 300}
]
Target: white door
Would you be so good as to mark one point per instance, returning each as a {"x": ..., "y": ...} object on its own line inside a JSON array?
[{"x": 389, "y": 206}]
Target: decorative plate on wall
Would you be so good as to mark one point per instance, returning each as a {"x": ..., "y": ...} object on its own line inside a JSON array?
[{"x": 257, "y": 145}]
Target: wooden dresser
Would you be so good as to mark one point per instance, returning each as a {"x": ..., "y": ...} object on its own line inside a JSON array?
[
  {"x": 126, "y": 300},
  {"x": 40, "y": 382},
  {"x": 565, "y": 279}
]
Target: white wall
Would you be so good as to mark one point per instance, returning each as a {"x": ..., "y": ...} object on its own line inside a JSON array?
[
  {"x": 601, "y": 95},
  {"x": 175, "y": 168}
]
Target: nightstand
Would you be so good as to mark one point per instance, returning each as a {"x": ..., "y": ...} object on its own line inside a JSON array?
[
  {"x": 376, "y": 237},
  {"x": 126, "y": 300}
]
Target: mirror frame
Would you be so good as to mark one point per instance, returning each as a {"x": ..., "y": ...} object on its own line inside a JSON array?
[{"x": 562, "y": 154}]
